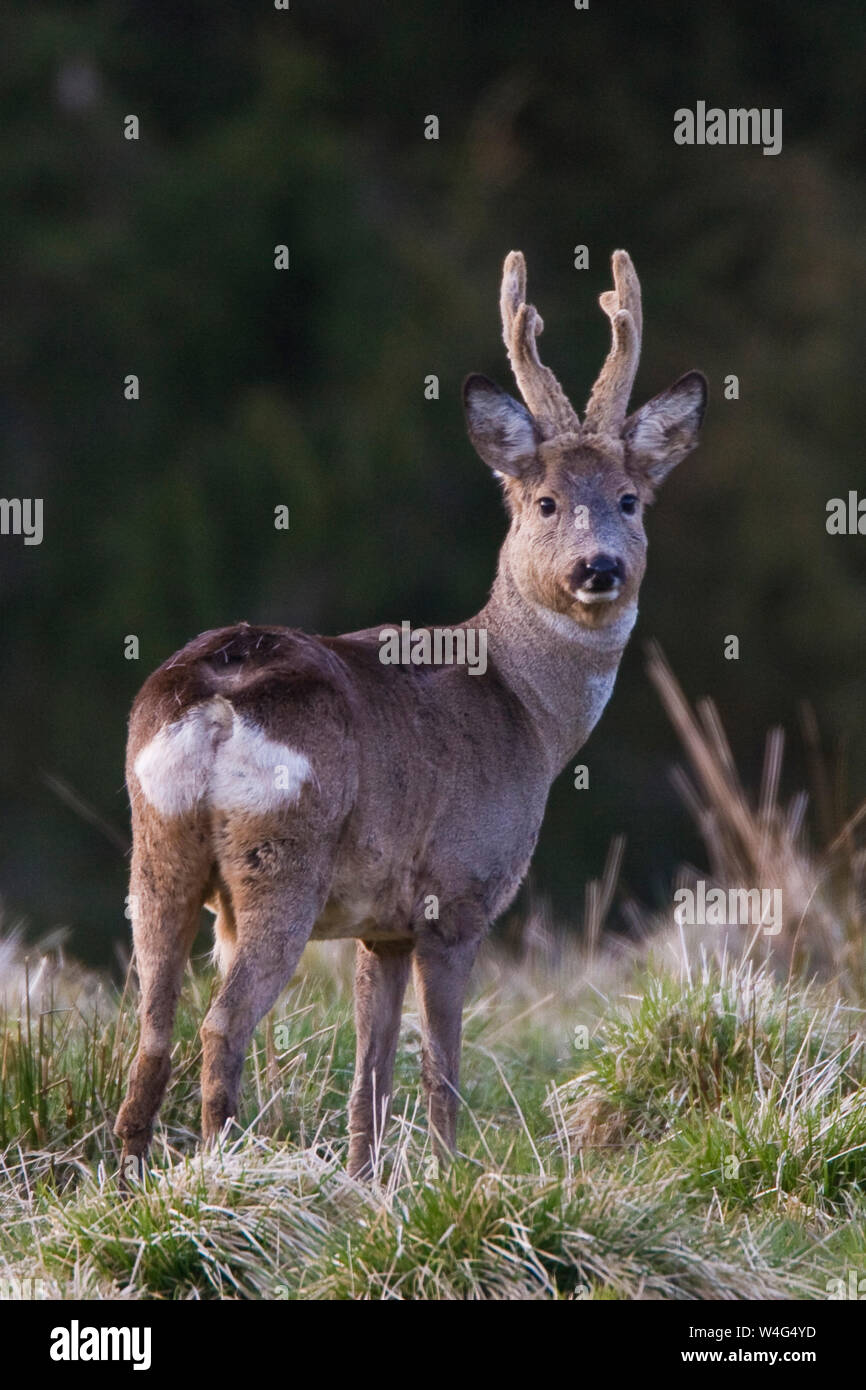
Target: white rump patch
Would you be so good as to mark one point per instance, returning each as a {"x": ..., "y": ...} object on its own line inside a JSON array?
[
  {"x": 252, "y": 773},
  {"x": 175, "y": 767},
  {"x": 213, "y": 757}
]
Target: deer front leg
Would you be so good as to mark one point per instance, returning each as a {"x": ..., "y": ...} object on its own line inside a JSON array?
[
  {"x": 441, "y": 969},
  {"x": 381, "y": 973}
]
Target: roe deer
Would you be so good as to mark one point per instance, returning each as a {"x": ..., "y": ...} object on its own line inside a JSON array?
[{"x": 304, "y": 789}]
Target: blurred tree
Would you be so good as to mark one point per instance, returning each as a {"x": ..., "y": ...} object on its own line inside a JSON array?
[{"x": 305, "y": 387}]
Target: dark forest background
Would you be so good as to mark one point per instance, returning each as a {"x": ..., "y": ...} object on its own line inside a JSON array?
[{"x": 306, "y": 387}]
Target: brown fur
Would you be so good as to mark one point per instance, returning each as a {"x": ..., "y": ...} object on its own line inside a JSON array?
[{"x": 423, "y": 785}]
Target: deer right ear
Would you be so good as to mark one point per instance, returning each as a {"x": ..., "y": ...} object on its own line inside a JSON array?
[{"x": 501, "y": 429}]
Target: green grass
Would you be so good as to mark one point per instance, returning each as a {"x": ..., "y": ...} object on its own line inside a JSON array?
[{"x": 710, "y": 1143}]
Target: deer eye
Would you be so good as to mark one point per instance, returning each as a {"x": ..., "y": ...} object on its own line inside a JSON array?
[
  {"x": 628, "y": 504},
  {"x": 546, "y": 506}
]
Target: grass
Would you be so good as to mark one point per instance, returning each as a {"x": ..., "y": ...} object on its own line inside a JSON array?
[
  {"x": 605, "y": 1173},
  {"x": 681, "y": 1118}
]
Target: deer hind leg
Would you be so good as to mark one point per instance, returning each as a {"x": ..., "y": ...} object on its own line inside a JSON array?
[
  {"x": 277, "y": 891},
  {"x": 381, "y": 974},
  {"x": 268, "y": 947},
  {"x": 167, "y": 888},
  {"x": 441, "y": 971}
]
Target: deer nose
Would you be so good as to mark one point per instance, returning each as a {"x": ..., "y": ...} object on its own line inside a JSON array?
[{"x": 599, "y": 574}]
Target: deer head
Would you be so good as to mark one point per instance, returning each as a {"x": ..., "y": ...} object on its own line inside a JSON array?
[{"x": 576, "y": 491}]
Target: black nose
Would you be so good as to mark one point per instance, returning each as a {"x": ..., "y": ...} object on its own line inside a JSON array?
[{"x": 598, "y": 574}]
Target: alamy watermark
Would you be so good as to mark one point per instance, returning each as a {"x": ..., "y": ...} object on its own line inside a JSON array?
[
  {"x": 77, "y": 1343},
  {"x": 851, "y": 1286},
  {"x": 22, "y": 516},
  {"x": 21, "y": 1290},
  {"x": 434, "y": 646},
  {"x": 736, "y": 126},
  {"x": 723, "y": 907},
  {"x": 846, "y": 517}
]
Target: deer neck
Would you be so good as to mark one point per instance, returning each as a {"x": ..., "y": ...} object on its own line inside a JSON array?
[{"x": 562, "y": 673}]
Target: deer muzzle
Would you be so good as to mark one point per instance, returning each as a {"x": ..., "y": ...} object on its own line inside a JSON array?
[{"x": 598, "y": 580}]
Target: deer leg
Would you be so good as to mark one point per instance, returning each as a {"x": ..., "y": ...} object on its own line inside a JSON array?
[
  {"x": 381, "y": 973},
  {"x": 270, "y": 939},
  {"x": 165, "y": 918},
  {"x": 441, "y": 971}
]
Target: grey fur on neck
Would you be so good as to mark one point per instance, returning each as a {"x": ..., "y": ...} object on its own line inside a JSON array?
[{"x": 562, "y": 672}]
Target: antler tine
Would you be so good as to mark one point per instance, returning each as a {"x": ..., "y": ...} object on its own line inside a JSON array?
[
  {"x": 606, "y": 408},
  {"x": 521, "y": 325}
]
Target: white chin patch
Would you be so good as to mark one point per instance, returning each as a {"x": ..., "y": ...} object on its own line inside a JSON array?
[
  {"x": 211, "y": 757},
  {"x": 589, "y": 596}
]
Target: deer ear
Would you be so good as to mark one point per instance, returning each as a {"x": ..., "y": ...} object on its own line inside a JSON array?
[
  {"x": 659, "y": 435},
  {"x": 501, "y": 429}
]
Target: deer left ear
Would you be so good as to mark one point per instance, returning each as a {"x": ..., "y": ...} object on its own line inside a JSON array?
[{"x": 660, "y": 435}]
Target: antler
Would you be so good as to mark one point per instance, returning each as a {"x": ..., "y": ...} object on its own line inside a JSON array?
[
  {"x": 521, "y": 325},
  {"x": 606, "y": 408}
]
